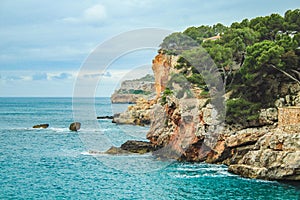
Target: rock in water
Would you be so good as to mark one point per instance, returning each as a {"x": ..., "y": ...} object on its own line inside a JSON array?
[
  {"x": 41, "y": 126},
  {"x": 116, "y": 150},
  {"x": 75, "y": 126},
  {"x": 140, "y": 147},
  {"x": 105, "y": 117}
]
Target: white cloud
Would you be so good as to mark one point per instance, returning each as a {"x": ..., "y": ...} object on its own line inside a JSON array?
[{"x": 92, "y": 15}]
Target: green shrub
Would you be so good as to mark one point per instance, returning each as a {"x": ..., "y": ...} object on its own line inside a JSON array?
[
  {"x": 166, "y": 93},
  {"x": 241, "y": 111}
]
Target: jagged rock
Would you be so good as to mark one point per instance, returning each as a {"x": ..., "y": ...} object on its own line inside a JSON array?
[
  {"x": 138, "y": 114},
  {"x": 245, "y": 137},
  {"x": 162, "y": 66},
  {"x": 41, "y": 126},
  {"x": 75, "y": 126},
  {"x": 140, "y": 147},
  {"x": 275, "y": 156},
  {"x": 268, "y": 116}
]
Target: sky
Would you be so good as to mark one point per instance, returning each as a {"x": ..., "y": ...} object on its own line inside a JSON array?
[{"x": 45, "y": 44}]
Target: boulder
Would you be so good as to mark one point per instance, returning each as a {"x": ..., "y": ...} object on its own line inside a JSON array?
[
  {"x": 75, "y": 126},
  {"x": 41, "y": 126}
]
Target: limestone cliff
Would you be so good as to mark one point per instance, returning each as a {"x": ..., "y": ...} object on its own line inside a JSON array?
[
  {"x": 162, "y": 66},
  {"x": 131, "y": 90},
  {"x": 187, "y": 128}
]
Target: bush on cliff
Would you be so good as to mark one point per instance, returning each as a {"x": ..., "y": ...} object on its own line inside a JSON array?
[{"x": 241, "y": 111}]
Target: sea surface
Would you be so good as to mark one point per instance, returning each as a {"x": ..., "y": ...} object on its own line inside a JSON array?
[{"x": 55, "y": 163}]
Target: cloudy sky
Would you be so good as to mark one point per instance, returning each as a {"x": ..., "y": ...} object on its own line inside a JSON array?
[{"x": 44, "y": 44}]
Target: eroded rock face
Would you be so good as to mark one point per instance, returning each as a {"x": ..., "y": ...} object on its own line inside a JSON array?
[
  {"x": 162, "y": 65},
  {"x": 179, "y": 129},
  {"x": 275, "y": 156},
  {"x": 268, "y": 116},
  {"x": 138, "y": 114}
]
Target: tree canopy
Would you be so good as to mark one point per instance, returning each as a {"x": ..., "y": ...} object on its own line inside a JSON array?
[{"x": 253, "y": 56}]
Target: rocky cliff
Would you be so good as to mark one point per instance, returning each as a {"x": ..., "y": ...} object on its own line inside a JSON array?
[
  {"x": 131, "y": 90},
  {"x": 188, "y": 129}
]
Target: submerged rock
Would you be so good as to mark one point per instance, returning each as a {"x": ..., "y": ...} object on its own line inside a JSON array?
[
  {"x": 75, "y": 126},
  {"x": 41, "y": 126}
]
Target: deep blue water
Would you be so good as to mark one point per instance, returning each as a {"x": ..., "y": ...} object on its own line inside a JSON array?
[{"x": 54, "y": 163}]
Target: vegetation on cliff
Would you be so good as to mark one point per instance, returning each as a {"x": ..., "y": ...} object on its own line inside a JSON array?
[{"x": 254, "y": 57}]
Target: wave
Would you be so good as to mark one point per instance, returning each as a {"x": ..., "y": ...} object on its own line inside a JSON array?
[
  {"x": 201, "y": 169},
  {"x": 187, "y": 176},
  {"x": 58, "y": 130},
  {"x": 92, "y": 153}
]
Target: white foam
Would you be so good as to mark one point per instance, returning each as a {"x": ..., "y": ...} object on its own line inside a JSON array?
[
  {"x": 187, "y": 176},
  {"x": 59, "y": 130},
  {"x": 202, "y": 169}
]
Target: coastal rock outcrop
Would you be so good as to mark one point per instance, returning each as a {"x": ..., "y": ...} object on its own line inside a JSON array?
[
  {"x": 75, "y": 126},
  {"x": 132, "y": 146},
  {"x": 188, "y": 129},
  {"x": 275, "y": 156},
  {"x": 138, "y": 114}
]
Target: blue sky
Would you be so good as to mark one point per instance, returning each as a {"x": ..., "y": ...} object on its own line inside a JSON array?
[{"x": 44, "y": 43}]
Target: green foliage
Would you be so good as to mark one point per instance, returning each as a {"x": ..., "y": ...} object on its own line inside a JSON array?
[
  {"x": 132, "y": 91},
  {"x": 249, "y": 55},
  {"x": 199, "y": 33},
  {"x": 221, "y": 55},
  {"x": 196, "y": 79},
  {"x": 292, "y": 20},
  {"x": 241, "y": 111},
  {"x": 166, "y": 93},
  {"x": 204, "y": 93},
  {"x": 177, "y": 42},
  {"x": 259, "y": 56}
]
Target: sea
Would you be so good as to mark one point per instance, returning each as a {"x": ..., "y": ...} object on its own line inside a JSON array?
[{"x": 55, "y": 163}]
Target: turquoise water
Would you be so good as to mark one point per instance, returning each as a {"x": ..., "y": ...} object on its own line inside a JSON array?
[{"x": 54, "y": 163}]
